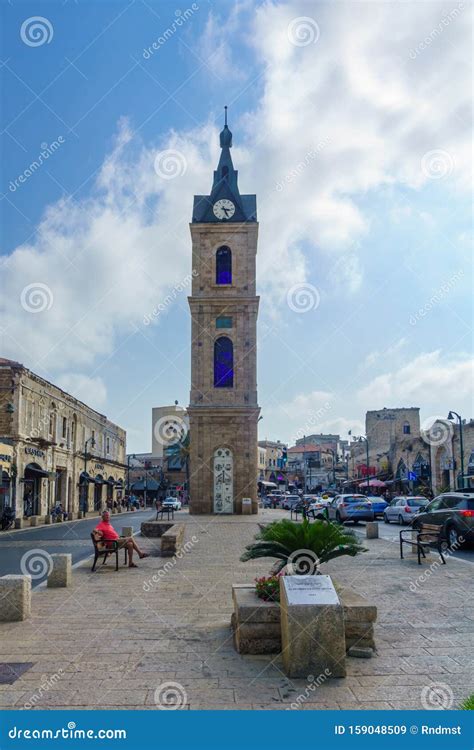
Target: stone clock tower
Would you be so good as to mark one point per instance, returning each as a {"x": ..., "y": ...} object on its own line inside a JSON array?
[{"x": 223, "y": 410}]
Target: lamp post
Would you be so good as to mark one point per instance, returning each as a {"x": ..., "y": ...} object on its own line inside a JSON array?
[
  {"x": 333, "y": 465},
  {"x": 129, "y": 457},
  {"x": 85, "y": 497},
  {"x": 362, "y": 438},
  {"x": 451, "y": 416}
]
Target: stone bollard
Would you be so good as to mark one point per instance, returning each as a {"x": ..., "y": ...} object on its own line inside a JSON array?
[
  {"x": 119, "y": 509},
  {"x": 70, "y": 516},
  {"x": 15, "y": 596},
  {"x": 372, "y": 530},
  {"x": 127, "y": 530},
  {"x": 61, "y": 571},
  {"x": 246, "y": 506},
  {"x": 48, "y": 519},
  {"x": 114, "y": 511},
  {"x": 80, "y": 514},
  {"x": 34, "y": 520},
  {"x": 18, "y": 523}
]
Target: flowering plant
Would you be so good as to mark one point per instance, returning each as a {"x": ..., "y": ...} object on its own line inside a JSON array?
[{"x": 268, "y": 588}]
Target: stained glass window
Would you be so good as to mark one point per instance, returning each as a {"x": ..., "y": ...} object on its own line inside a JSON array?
[
  {"x": 223, "y": 363},
  {"x": 224, "y": 266}
]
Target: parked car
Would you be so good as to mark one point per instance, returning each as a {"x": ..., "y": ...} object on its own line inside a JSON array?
[
  {"x": 171, "y": 502},
  {"x": 272, "y": 501},
  {"x": 289, "y": 501},
  {"x": 378, "y": 505},
  {"x": 350, "y": 508},
  {"x": 403, "y": 509},
  {"x": 454, "y": 513}
]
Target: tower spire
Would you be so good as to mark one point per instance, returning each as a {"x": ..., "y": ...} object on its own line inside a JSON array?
[{"x": 225, "y": 116}]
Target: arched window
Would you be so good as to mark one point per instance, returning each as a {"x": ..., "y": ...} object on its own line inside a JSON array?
[
  {"x": 223, "y": 363},
  {"x": 224, "y": 266},
  {"x": 406, "y": 428}
]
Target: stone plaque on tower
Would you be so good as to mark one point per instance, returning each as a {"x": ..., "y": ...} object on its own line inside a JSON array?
[{"x": 223, "y": 409}]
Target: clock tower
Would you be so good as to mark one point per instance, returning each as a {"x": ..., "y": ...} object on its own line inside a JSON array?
[{"x": 223, "y": 410}]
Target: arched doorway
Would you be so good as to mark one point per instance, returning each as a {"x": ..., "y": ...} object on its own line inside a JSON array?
[
  {"x": 84, "y": 481},
  {"x": 99, "y": 483},
  {"x": 32, "y": 489},
  {"x": 223, "y": 481},
  {"x": 5, "y": 491},
  {"x": 443, "y": 466}
]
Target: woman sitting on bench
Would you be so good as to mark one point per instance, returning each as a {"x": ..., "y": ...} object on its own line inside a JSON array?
[{"x": 108, "y": 534}]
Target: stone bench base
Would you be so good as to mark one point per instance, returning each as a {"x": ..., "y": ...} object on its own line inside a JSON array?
[
  {"x": 257, "y": 630},
  {"x": 15, "y": 598},
  {"x": 155, "y": 528},
  {"x": 172, "y": 540}
]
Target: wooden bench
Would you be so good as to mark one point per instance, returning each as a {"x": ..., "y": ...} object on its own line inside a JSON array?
[
  {"x": 104, "y": 549},
  {"x": 427, "y": 535}
]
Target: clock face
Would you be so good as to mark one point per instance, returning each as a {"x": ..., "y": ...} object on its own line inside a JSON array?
[{"x": 223, "y": 209}]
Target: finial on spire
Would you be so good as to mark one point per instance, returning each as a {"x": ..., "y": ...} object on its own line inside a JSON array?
[{"x": 226, "y": 135}]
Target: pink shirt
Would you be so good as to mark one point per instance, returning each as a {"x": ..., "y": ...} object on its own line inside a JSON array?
[{"x": 108, "y": 532}]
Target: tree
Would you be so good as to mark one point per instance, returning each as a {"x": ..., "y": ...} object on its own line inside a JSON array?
[{"x": 302, "y": 547}]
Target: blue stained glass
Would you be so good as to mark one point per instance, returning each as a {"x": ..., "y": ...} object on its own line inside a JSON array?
[
  {"x": 224, "y": 266},
  {"x": 223, "y": 363}
]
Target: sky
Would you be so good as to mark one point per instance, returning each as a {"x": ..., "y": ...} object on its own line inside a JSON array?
[{"x": 351, "y": 123}]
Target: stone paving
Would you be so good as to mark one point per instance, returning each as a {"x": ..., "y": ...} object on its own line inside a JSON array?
[{"x": 117, "y": 640}]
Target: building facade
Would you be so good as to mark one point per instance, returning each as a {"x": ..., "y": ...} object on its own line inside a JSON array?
[
  {"x": 223, "y": 410},
  {"x": 62, "y": 450}
]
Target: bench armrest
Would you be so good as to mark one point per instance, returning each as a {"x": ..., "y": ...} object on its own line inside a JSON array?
[{"x": 406, "y": 531}]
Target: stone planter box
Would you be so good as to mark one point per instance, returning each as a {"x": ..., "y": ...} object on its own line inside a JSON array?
[
  {"x": 172, "y": 535},
  {"x": 155, "y": 528},
  {"x": 256, "y": 624}
]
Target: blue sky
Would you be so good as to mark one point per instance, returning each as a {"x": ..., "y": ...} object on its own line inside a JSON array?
[{"x": 351, "y": 122}]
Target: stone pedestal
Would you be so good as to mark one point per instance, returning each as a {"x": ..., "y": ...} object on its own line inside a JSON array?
[
  {"x": 372, "y": 530},
  {"x": 18, "y": 523},
  {"x": 34, "y": 520},
  {"x": 127, "y": 530},
  {"x": 246, "y": 506},
  {"x": 70, "y": 516},
  {"x": 61, "y": 571},
  {"x": 255, "y": 623},
  {"x": 312, "y": 627},
  {"x": 119, "y": 509},
  {"x": 48, "y": 519},
  {"x": 15, "y": 598}
]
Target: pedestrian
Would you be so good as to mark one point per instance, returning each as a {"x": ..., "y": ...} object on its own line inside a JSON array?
[{"x": 105, "y": 532}]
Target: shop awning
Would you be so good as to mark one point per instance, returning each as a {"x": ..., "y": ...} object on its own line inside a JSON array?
[
  {"x": 37, "y": 471},
  {"x": 151, "y": 485},
  {"x": 85, "y": 477}
]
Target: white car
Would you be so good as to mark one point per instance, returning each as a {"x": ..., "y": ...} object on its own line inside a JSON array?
[
  {"x": 403, "y": 509},
  {"x": 172, "y": 502}
]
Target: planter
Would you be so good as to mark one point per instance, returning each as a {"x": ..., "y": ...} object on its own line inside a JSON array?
[{"x": 257, "y": 630}]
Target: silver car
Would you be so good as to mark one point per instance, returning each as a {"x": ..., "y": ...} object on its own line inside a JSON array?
[
  {"x": 404, "y": 509},
  {"x": 350, "y": 507}
]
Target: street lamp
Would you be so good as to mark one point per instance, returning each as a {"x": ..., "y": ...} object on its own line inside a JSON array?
[
  {"x": 451, "y": 416},
  {"x": 90, "y": 440},
  {"x": 84, "y": 499},
  {"x": 333, "y": 465},
  {"x": 362, "y": 438},
  {"x": 129, "y": 457}
]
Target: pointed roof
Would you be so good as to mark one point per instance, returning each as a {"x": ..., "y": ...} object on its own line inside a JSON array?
[{"x": 225, "y": 185}]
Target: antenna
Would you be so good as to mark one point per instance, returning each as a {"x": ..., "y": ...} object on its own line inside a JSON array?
[{"x": 225, "y": 116}]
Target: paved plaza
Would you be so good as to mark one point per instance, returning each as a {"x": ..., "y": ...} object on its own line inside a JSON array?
[{"x": 118, "y": 639}]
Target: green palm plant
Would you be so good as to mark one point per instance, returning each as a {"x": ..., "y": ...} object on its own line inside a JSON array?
[{"x": 301, "y": 547}]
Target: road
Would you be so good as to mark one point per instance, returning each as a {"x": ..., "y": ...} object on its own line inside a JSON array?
[{"x": 72, "y": 536}]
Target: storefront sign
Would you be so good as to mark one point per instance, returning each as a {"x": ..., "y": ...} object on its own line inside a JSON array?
[{"x": 34, "y": 452}]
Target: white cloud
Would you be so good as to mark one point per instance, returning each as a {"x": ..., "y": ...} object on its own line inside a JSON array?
[
  {"x": 92, "y": 391},
  {"x": 427, "y": 381}
]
